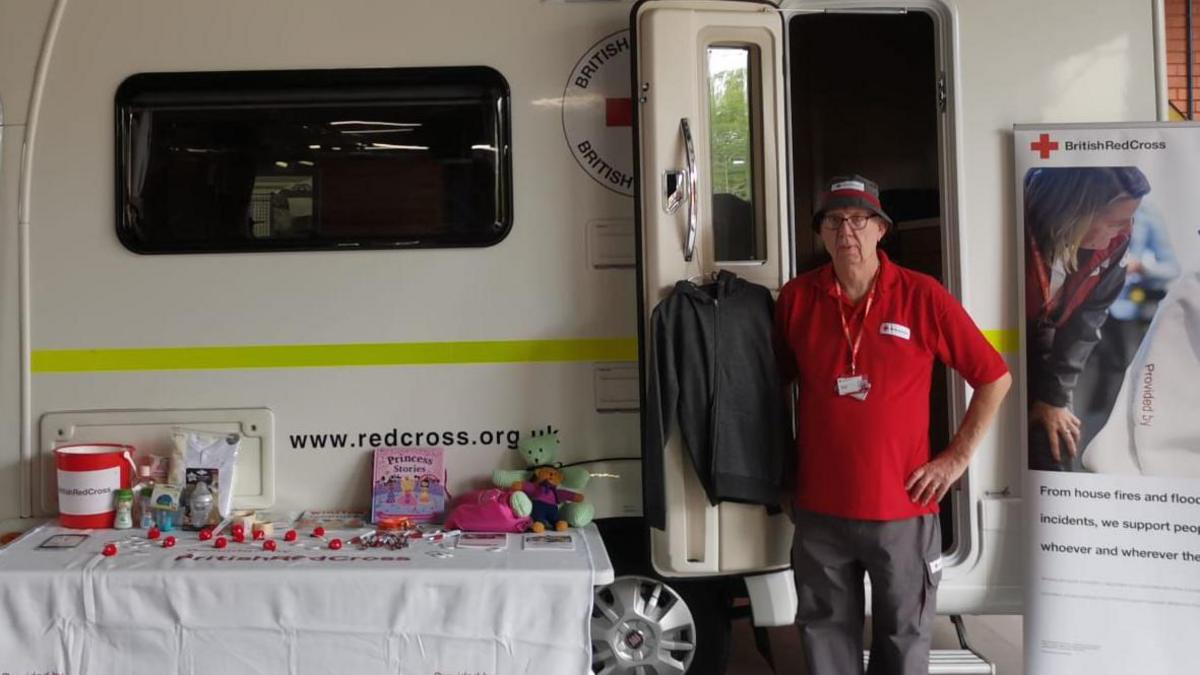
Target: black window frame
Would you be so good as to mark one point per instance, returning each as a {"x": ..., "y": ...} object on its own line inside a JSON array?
[{"x": 264, "y": 87}]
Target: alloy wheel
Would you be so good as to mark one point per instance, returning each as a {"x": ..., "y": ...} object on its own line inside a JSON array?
[{"x": 641, "y": 626}]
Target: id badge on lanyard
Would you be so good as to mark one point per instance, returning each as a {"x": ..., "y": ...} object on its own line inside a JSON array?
[{"x": 855, "y": 385}]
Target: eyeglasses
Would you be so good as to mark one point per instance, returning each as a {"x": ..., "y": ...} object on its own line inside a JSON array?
[{"x": 834, "y": 223}]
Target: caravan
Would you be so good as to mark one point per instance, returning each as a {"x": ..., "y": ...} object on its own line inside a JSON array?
[{"x": 335, "y": 226}]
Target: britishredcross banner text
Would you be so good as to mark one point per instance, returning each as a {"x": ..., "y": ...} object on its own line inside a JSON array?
[{"x": 1107, "y": 218}]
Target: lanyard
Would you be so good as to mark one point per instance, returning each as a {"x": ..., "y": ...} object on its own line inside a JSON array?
[
  {"x": 857, "y": 341},
  {"x": 1043, "y": 279},
  {"x": 1051, "y": 302}
]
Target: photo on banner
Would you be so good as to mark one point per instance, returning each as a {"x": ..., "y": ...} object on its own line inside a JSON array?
[{"x": 1109, "y": 223}]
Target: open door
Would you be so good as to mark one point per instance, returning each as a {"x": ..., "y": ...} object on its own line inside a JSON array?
[{"x": 712, "y": 168}]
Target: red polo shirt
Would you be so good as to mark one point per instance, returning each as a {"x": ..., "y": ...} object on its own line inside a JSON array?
[{"x": 853, "y": 457}]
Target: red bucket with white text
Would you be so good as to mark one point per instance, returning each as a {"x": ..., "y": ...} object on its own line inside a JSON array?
[{"x": 88, "y": 475}]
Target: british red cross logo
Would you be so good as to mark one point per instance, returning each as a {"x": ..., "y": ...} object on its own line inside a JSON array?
[{"x": 1044, "y": 146}]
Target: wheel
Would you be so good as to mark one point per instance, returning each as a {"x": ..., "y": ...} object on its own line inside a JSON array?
[{"x": 643, "y": 626}]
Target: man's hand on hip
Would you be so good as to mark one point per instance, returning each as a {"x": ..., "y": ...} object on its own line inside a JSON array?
[{"x": 931, "y": 481}]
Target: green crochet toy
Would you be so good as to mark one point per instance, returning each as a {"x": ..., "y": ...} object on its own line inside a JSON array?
[{"x": 558, "y": 490}]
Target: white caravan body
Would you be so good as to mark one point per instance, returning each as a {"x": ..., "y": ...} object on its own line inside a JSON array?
[{"x": 536, "y": 331}]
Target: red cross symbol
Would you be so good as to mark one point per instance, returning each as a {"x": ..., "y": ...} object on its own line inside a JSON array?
[
  {"x": 618, "y": 112},
  {"x": 1044, "y": 146}
]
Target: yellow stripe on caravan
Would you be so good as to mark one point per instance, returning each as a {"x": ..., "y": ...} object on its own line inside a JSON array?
[
  {"x": 1004, "y": 340},
  {"x": 325, "y": 356}
]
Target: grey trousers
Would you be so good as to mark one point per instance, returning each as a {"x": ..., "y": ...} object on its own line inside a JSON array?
[{"x": 902, "y": 558}]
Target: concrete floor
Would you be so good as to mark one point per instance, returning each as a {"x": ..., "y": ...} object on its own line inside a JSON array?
[{"x": 998, "y": 638}]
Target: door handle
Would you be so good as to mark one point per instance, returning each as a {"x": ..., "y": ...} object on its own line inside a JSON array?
[{"x": 689, "y": 247}]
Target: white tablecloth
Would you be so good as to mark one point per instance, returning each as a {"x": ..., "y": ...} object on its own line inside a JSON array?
[{"x": 303, "y": 609}]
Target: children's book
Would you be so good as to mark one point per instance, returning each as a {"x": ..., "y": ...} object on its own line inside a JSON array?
[
  {"x": 491, "y": 540},
  {"x": 408, "y": 482},
  {"x": 558, "y": 541}
]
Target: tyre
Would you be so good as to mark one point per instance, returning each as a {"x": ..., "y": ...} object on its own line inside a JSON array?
[{"x": 646, "y": 626}]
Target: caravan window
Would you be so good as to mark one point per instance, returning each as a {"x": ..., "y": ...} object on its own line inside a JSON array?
[
  {"x": 739, "y": 229},
  {"x": 322, "y": 159}
]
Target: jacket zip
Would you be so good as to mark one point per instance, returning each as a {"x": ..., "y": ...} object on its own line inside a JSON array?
[{"x": 714, "y": 407}]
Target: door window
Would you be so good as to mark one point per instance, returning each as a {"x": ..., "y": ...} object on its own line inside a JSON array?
[{"x": 738, "y": 228}]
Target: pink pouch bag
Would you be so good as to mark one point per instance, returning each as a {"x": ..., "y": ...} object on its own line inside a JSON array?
[{"x": 486, "y": 511}]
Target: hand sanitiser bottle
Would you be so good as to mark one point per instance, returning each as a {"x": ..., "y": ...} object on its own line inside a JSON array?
[{"x": 124, "y": 516}]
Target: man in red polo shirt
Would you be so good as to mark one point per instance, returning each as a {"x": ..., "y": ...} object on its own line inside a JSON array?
[{"x": 859, "y": 336}]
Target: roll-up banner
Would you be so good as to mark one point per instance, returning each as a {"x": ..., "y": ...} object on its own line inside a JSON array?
[{"x": 1108, "y": 217}]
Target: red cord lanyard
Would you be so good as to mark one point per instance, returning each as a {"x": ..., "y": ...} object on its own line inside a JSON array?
[
  {"x": 857, "y": 341},
  {"x": 1051, "y": 302},
  {"x": 1043, "y": 280}
]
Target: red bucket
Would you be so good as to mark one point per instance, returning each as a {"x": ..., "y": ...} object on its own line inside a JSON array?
[{"x": 87, "y": 477}]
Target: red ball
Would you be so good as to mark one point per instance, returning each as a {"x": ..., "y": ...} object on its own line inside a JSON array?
[
  {"x": 318, "y": 531},
  {"x": 259, "y": 535},
  {"x": 269, "y": 545},
  {"x": 238, "y": 530},
  {"x": 290, "y": 535},
  {"x": 205, "y": 534},
  {"x": 221, "y": 542},
  {"x": 168, "y": 542},
  {"x": 335, "y": 544},
  {"x": 110, "y": 550},
  {"x": 152, "y": 533},
  {"x": 239, "y": 537}
]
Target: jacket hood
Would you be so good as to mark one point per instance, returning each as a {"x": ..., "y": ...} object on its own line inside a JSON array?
[{"x": 726, "y": 284}]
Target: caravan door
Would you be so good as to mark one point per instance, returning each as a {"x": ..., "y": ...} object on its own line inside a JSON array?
[{"x": 711, "y": 123}]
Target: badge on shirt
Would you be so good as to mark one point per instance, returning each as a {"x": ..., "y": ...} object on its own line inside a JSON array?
[
  {"x": 935, "y": 566},
  {"x": 855, "y": 386},
  {"x": 895, "y": 330}
]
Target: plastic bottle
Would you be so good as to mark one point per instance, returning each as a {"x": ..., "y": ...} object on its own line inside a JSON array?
[
  {"x": 144, "y": 491},
  {"x": 124, "y": 517},
  {"x": 164, "y": 519},
  {"x": 200, "y": 505}
]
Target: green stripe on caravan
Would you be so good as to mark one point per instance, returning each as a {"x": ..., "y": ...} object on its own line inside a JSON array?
[
  {"x": 1004, "y": 340},
  {"x": 327, "y": 356},
  {"x": 377, "y": 354}
]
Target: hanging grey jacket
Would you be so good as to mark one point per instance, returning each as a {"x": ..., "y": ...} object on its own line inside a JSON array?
[{"x": 712, "y": 367}]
